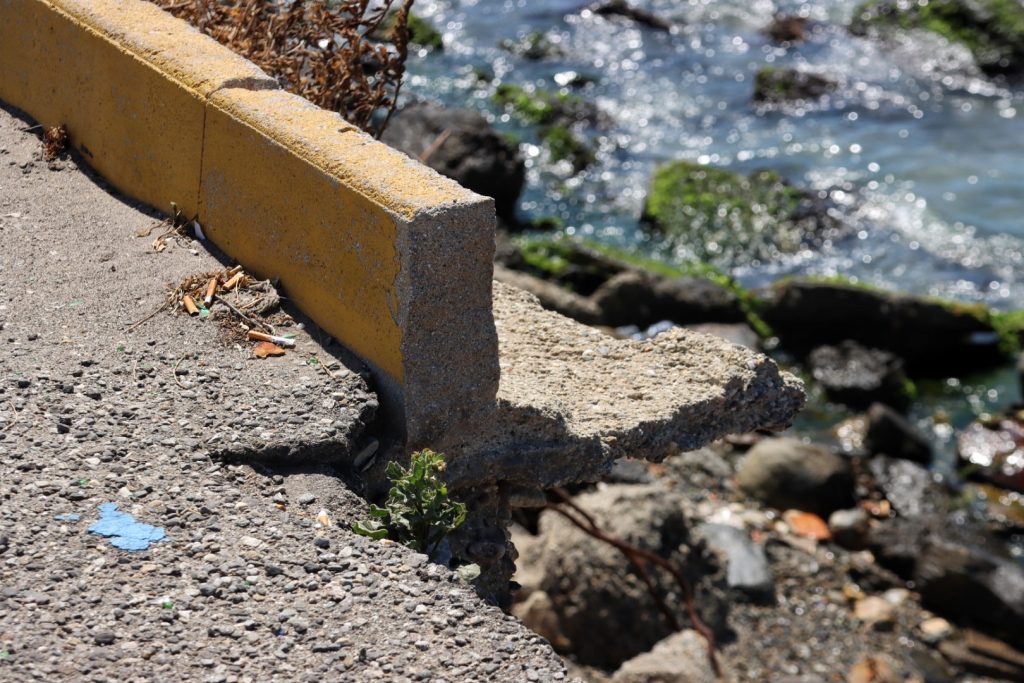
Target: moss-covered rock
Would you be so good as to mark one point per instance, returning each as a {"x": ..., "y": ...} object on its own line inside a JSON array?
[
  {"x": 775, "y": 85},
  {"x": 727, "y": 218},
  {"x": 544, "y": 107},
  {"x": 564, "y": 145},
  {"x": 632, "y": 289},
  {"x": 993, "y": 30},
  {"x": 934, "y": 336},
  {"x": 533, "y": 46}
]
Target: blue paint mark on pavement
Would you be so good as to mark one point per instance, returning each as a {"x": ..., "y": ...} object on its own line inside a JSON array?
[
  {"x": 68, "y": 517},
  {"x": 123, "y": 531}
]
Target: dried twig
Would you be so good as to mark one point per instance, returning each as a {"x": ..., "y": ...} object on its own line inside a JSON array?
[
  {"x": 335, "y": 54},
  {"x": 640, "y": 558}
]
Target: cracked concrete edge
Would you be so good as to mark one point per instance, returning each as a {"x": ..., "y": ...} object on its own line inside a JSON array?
[
  {"x": 365, "y": 239},
  {"x": 573, "y": 400}
]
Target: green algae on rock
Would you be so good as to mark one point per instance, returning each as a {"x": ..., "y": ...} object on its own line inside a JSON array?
[
  {"x": 993, "y": 30},
  {"x": 542, "y": 107},
  {"x": 773, "y": 85},
  {"x": 727, "y": 218},
  {"x": 564, "y": 145}
]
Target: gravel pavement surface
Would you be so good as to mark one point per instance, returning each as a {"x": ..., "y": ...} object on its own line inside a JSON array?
[{"x": 249, "y": 584}]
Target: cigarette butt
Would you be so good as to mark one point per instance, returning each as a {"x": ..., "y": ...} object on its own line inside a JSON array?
[
  {"x": 190, "y": 305},
  {"x": 234, "y": 271},
  {"x": 235, "y": 279},
  {"x": 280, "y": 341},
  {"x": 211, "y": 289}
]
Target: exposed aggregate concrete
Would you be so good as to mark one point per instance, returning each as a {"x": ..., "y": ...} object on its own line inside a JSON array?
[{"x": 249, "y": 586}]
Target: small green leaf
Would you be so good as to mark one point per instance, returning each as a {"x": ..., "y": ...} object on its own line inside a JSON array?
[{"x": 167, "y": 604}]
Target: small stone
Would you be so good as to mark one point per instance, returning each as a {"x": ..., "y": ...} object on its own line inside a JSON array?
[
  {"x": 322, "y": 542},
  {"x": 878, "y": 613},
  {"x": 935, "y": 629},
  {"x": 850, "y": 528},
  {"x": 306, "y": 498},
  {"x": 104, "y": 637}
]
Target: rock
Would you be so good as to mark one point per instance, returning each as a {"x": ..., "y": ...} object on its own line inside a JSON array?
[
  {"x": 787, "y": 473},
  {"x": 859, "y": 376},
  {"x": 538, "y": 612},
  {"x": 932, "y": 337},
  {"x": 104, "y": 637},
  {"x": 910, "y": 488},
  {"x": 306, "y": 498},
  {"x": 787, "y": 28},
  {"x": 551, "y": 296},
  {"x": 746, "y": 565},
  {"x": 935, "y": 629},
  {"x": 472, "y": 153},
  {"x": 534, "y": 46},
  {"x": 1020, "y": 373},
  {"x": 984, "y": 656},
  {"x": 994, "y": 450},
  {"x": 737, "y": 333},
  {"x": 807, "y": 524},
  {"x": 537, "y": 107},
  {"x": 873, "y": 670},
  {"x": 730, "y": 219},
  {"x": 774, "y": 85},
  {"x": 634, "y": 297},
  {"x": 850, "y": 528},
  {"x": 621, "y": 8},
  {"x": 602, "y": 604},
  {"x": 680, "y": 658},
  {"x": 891, "y": 434},
  {"x": 877, "y": 613},
  {"x": 993, "y": 30},
  {"x": 967, "y": 580}
]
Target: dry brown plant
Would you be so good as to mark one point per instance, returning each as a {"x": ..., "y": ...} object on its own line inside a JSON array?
[{"x": 344, "y": 55}]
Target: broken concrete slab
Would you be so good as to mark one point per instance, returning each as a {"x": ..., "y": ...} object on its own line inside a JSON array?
[{"x": 572, "y": 399}]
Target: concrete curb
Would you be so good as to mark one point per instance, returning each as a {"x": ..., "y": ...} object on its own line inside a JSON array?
[{"x": 387, "y": 256}]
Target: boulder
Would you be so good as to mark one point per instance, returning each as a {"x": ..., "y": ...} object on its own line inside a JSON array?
[
  {"x": 603, "y": 607},
  {"x": 460, "y": 144},
  {"x": 635, "y": 297},
  {"x": 858, "y": 376},
  {"x": 993, "y": 30},
  {"x": 774, "y": 85},
  {"x": 994, "y": 450},
  {"x": 746, "y": 564},
  {"x": 730, "y": 219},
  {"x": 891, "y": 434},
  {"x": 680, "y": 658},
  {"x": 787, "y": 473},
  {"x": 936, "y": 338}
]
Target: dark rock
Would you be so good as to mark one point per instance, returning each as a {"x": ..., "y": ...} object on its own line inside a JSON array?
[
  {"x": 891, "y": 434},
  {"x": 639, "y": 298},
  {"x": 104, "y": 637},
  {"x": 471, "y": 152},
  {"x": 933, "y": 337},
  {"x": 746, "y": 565},
  {"x": 778, "y": 85},
  {"x": 621, "y": 8},
  {"x": 787, "y": 473},
  {"x": 603, "y": 606},
  {"x": 994, "y": 450},
  {"x": 787, "y": 28},
  {"x": 968, "y": 581},
  {"x": 859, "y": 376},
  {"x": 1020, "y": 373},
  {"x": 850, "y": 528}
]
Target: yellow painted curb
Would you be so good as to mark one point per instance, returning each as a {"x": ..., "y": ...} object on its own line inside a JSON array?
[{"x": 386, "y": 255}]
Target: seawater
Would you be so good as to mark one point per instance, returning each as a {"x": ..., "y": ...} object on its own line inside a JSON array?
[{"x": 929, "y": 154}]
